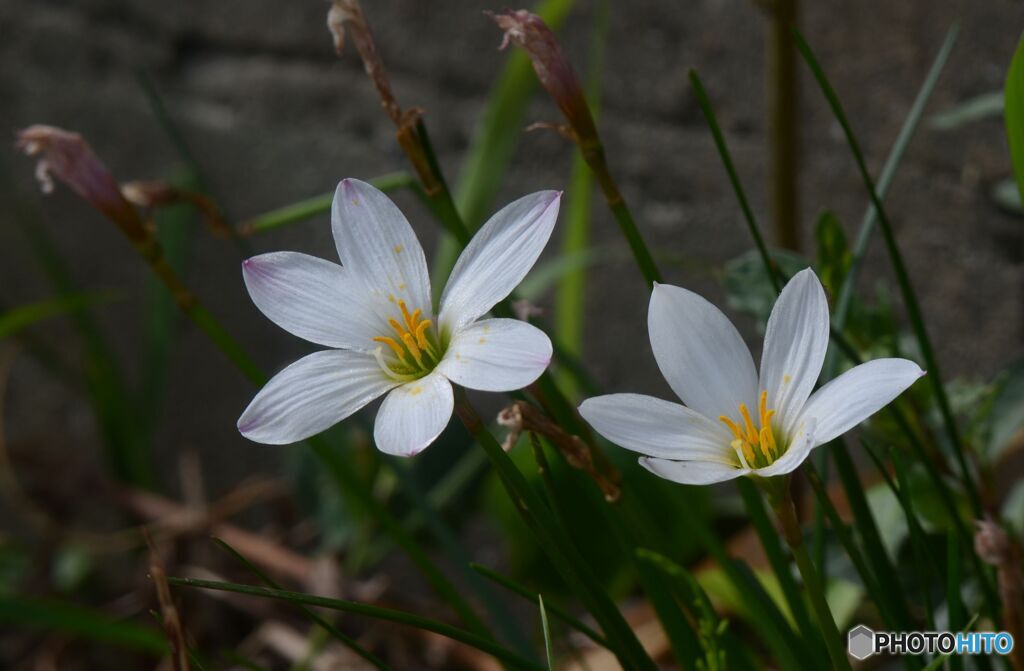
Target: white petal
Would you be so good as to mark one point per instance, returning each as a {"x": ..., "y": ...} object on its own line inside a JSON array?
[
  {"x": 414, "y": 415},
  {"x": 496, "y": 355},
  {"x": 498, "y": 257},
  {"x": 377, "y": 245},
  {"x": 700, "y": 353},
  {"x": 692, "y": 472},
  {"x": 794, "y": 347},
  {"x": 658, "y": 428},
  {"x": 803, "y": 440},
  {"x": 312, "y": 298},
  {"x": 311, "y": 395},
  {"x": 857, "y": 394}
]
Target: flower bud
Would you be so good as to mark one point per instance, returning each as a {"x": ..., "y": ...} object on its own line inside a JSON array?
[{"x": 552, "y": 67}]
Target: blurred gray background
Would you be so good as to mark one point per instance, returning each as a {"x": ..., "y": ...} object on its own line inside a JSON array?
[{"x": 274, "y": 116}]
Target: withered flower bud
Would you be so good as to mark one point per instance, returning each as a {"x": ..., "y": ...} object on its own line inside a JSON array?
[
  {"x": 69, "y": 158},
  {"x": 991, "y": 542},
  {"x": 521, "y": 416},
  {"x": 152, "y": 194},
  {"x": 348, "y": 15},
  {"x": 552, "y": 67}
]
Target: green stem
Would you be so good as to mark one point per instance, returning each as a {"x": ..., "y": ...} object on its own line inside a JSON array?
[
  {"x": 902, "y": 277},
  {"x": 593, "y": 154},
  {"x": 782, "y": 502},
  {"x": 783, "y": 94}
]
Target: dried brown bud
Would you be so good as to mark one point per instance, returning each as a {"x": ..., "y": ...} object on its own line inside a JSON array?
[
  {"x": 552, "y": 67},
  {"x": 69, "y": 158},
  {"x": 521, "y": 416},
  {"x": 152, "y": 194},
  {"x": 991, "y": 542},
  {"x": 347, "y": 15}
]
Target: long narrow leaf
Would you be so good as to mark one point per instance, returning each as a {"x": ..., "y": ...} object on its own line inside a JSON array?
[
  {"x": 58, "y": 616},
  {"x": 376, "y": 612}
]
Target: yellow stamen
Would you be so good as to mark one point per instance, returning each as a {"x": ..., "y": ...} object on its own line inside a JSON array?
[
  {"x": 421, "y": 335},
  {"x": 736, "y": 431},
  {"x": 754, "y": 443},
  {"x": 749, "y": 423},
  {"x": 413, "y": 348},
  {"x": 397, "y": 327}
]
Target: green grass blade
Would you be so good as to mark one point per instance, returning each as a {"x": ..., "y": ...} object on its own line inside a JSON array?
[
  {"x": 569, "y": 301},
  {"x": 1014, "y": 114},
  {"x": 891, "y": 591},
  {"x": 547, "y": 633},
  {"x": 343, "y": 638},
  {"x": 557, "y": 612},
  {"x": 176, "y": 227},
  {"x": 563, "y": 554},
  {"x": 770, "y": 541},
  {"x": 376, "y": 612},
  {"x": 903, "y": 278},
  {"x": 126, "y": 452},
  {"x": 734, "y": 178},
  {"x": 311, "y": 207},
  {"x": 967, "y": 112},
  {"x": 657, "y": 583},
  {"x": 954, "y": 600},
  {"x": 18, "y": 318},
  {"x": 58, "y": 616},
  {"x": 885, "y": 179},
  {"x": 459, "y": 557},
  {"x": 937, "y": 663}
]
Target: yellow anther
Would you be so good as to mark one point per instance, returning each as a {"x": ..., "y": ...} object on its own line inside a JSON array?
[
  {"x": 410, "y": 319},
  {"x": 390, "y": 342},
  {"x": 749, "y": 423},
  {"x": 736, "y": 431},
  {"x": 768, "y": 443},
  {"x": 421, "y": 334},
  {"x": 754, "y": 442},
  {"x": 414, "y": 349},
  {"x": 397, "y": 327}
]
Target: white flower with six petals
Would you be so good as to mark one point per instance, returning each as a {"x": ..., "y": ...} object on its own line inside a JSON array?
[
  {"x": 375, "y": 310},
  {"x": 734, "y": 422}
]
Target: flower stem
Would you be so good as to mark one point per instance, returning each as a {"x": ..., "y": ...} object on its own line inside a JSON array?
[{"x": 782, "y": 502}]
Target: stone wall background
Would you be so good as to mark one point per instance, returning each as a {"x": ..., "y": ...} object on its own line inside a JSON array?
[{"x": 274, "y": 116}]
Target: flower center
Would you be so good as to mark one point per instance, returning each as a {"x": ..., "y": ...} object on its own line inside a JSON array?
[
  {"x": 412, "y": 351},
  {"x": 754, "y": 443}
]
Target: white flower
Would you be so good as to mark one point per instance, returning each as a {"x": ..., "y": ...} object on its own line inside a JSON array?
[
  {"x": 735, "y": 423},
  {"x": 375, "y": 310}
]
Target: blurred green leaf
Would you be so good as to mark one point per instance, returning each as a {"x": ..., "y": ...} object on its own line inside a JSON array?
[
  {"x": 546, "y": 275},
  {"x": 56, "y": 616},
  {"x": 748, "y": 288},
  {"x": 23, "y": 316},
  {"x": 547, "y": 633},
  {"x": 1006, "y": 418},
  {"x": 1014, "y": 114},
  {"x": 969, "y": 111},
  {"x": 834, "y": 257},
  {"x": 375, "y": 612},
  {"x": 71, "y": 566},
  {"x": 1006, "y": 196}
]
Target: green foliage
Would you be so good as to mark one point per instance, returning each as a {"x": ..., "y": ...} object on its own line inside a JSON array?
[{"x": 1013, "y": 113}]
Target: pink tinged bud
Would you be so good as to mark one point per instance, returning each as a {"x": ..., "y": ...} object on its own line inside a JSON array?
[
  {"x": 69, "y": 158},
  {"x": 552, "y": 67}
]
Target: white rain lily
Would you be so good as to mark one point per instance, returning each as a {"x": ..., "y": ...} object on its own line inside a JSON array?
[
  {"x": 375, "y": 310},
  {"x": 734, "y": 422}
]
